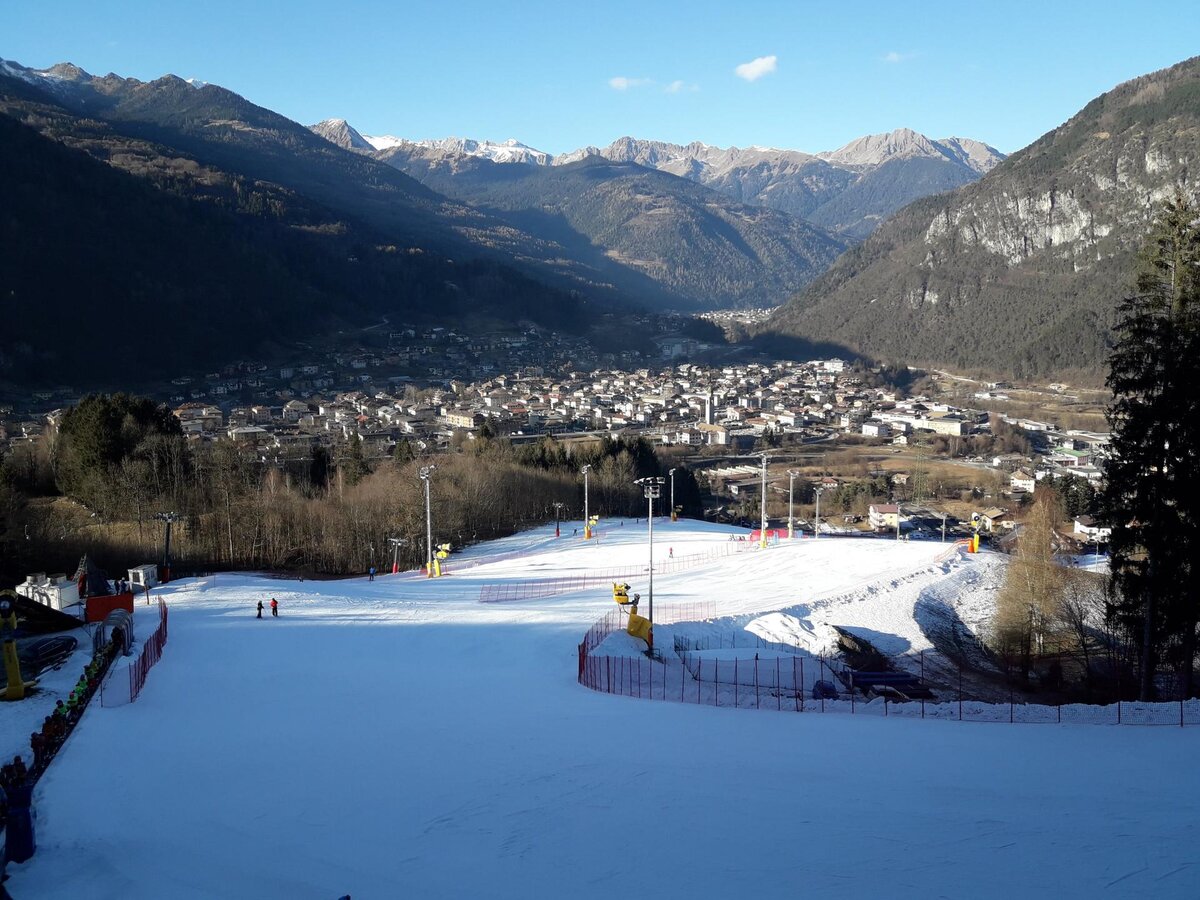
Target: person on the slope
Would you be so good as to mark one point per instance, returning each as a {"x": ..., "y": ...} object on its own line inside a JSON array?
[
  {"x": 274, "y": 607},
  {"x": 260, "y": 609},
  {"x": 372, "y": 574}
]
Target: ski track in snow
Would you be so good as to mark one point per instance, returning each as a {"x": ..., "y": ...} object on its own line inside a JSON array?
[{"x": 399, "y": 738}]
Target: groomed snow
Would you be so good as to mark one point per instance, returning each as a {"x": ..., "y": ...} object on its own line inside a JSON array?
[{"x": 399, "y": 738}]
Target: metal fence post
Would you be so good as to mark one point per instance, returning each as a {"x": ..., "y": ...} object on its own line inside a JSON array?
[
  {"x": 735, "y": 682},
  {"x": 960, "y": 693},
  {"x": 779, "y": 689},
  {"x": 821, "y": 660},
  {"x": 798, "y": 686}
]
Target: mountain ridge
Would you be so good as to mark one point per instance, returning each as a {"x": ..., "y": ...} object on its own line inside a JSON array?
[
  {"x": 847, "y": 191},
  {"x": 1021, "y": 271}
]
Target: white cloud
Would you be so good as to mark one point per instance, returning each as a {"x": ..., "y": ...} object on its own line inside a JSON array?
[
  {"x": 679, "y": 86},
  {"x": 621, "y": 83},
  {"x": 893, "y": 57},
  {"x": 756, "y": 68}
]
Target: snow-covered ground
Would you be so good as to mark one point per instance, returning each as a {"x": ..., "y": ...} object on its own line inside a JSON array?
[{"x": 399, "y": 738}]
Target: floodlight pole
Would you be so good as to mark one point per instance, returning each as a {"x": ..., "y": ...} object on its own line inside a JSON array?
[
  {"x": 762, "y": 532},
  {"x": 671, "y": 473},
  {"x": 792, "y": 473},
  {"x": 425, "y": 473},
  {"x": 820, "y": 489},
  {"x": 557, "y": 516},
  {"x": 587, "y": 521},
  {"x": 652, "y": 488}
]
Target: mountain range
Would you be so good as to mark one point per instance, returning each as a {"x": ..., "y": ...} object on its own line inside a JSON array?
[
  {"x": 847, "y": 191},
  {"x": 484, "y": 232},
  {"x": 1021, "y": 271},
  {"x": 189, "y": 227},
  {"x": 129, "y": 205}
]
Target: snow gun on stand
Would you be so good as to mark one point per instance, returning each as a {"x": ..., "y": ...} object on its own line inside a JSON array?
[
  {"x": 443, "y": 552},
  {"x": 639, "y": 626},
  {"x": 976, "y": 524}
]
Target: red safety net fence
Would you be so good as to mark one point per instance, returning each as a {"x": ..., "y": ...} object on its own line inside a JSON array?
[
  {"x": 765, "y": 675},
  {"x": 113, "y": 694}
]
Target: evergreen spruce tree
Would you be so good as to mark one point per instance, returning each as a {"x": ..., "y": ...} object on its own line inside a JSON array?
[{"x": 1153, "y": 479}]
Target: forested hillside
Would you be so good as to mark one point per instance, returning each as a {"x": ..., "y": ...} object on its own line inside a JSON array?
[
  {"x": 127, "y": 259},
  {"x": 671, "y": 236},
  {"x": 1022, "y": 271}
]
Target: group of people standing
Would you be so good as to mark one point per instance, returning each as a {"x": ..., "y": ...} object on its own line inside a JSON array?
[
  {"x": 17, "y": 779},
  {"x": 274, "y": 608}
]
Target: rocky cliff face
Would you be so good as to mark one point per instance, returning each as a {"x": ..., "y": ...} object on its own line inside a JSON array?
[{"x": 1022, "y": 270}]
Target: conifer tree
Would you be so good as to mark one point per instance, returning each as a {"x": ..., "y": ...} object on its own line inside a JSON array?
[{"x": 1153, "y": 479}]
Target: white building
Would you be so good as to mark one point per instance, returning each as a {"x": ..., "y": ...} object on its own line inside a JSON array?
[{"x": 55, "y": 591}]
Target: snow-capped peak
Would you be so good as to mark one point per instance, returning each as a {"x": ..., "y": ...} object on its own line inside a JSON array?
[
  {"x": 509, "y": 151},
  {"x": 57, "y": 72},
  {"x": 342, "y": 133}
]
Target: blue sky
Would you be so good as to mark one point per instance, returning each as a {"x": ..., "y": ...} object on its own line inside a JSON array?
[{"x": 563, "y": 74}]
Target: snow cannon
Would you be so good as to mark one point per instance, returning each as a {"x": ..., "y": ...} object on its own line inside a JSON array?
[
  {"x": 17, "y": 686},
  {"x": 589, "y": 526},
  {"x": 639, "y": 626},
  {"x": 442, "y": 552}
]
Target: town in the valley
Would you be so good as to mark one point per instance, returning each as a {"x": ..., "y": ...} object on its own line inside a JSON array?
[{"x": 925, "y": 454}]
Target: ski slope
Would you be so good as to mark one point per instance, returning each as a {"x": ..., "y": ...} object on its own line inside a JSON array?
[{"x": 399, "y": 738}]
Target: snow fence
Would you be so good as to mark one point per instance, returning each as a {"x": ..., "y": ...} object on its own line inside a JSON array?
[
  {"x": 125, "y": 683},
  {"x": 764, "y": 675}
]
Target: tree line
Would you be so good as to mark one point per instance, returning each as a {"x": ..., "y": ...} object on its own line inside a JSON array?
[{"x": 95, "y": 484}]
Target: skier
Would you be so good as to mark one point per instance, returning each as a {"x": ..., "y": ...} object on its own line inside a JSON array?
[
  {"x": 274, "y": 608},
  {"x": 260, "y": 609},
  {"x": 671, "y": 552},
  {"x": 372, "y": 574}
]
